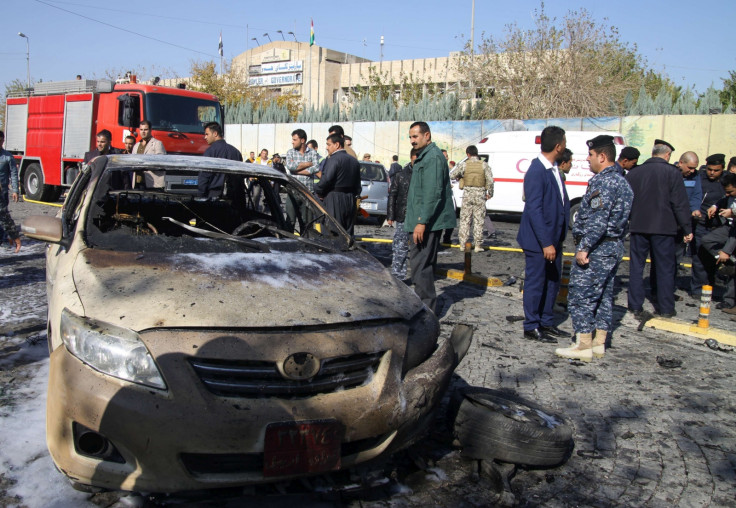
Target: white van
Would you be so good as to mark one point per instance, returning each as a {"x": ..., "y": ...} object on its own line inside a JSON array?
[{"x": 510, "y": 154}]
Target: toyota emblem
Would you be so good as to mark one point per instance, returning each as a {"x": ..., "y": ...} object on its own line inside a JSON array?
[{"x": 300, "y": 366}]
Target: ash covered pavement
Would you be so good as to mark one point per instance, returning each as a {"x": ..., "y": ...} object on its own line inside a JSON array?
[{"x": 646, "y": 433}]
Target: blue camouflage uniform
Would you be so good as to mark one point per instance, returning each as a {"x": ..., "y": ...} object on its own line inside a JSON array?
[
  {"x": 599, "y": 229},
  {"x": 6, "y": 224},
  {"x": 8, "y": 178}
]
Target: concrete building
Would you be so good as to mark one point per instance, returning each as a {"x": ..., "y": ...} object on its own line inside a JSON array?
[{"x": 324, "y": 76}]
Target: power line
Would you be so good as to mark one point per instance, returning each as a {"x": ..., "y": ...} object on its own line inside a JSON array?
[
  {"x": 125, "y": 29},
  {"x": 148, "y": 15}
]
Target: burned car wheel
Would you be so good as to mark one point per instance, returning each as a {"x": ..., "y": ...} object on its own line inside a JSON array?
[{"x": 492, "y": 424}]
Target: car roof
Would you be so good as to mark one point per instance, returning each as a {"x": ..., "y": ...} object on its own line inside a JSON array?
[{"x": 191, "y": 163}]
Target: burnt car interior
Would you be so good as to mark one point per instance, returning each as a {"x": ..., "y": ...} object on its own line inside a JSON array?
[{"x": 255, "y": 214}]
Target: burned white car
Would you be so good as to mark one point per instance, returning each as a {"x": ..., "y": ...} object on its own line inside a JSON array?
[{"x": 224, "y": 340}]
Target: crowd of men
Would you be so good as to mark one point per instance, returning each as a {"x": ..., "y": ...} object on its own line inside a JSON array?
[
  {"x": 669, "y": 210},
  {"x": 661, "y": 206}
]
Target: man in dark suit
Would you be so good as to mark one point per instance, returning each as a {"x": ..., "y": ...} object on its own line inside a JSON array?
[
  {"x": 660, "y": 206},
  {"x": 541, "y": 233},
  {"x": 339, "y": 185}
]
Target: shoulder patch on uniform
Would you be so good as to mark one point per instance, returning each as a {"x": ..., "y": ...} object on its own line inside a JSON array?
[{"x": 595, "y": 194}]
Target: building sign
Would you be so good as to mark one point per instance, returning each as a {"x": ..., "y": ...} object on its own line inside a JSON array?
[
  {"x": 273, "y": 68},
  {"x": 276, "y": 79},
  {"x": 254, "y": 69},
  {"x": 276, "y": 55}
]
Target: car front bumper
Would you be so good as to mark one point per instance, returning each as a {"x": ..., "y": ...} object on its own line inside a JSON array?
[{"x": 188, "y": 438}]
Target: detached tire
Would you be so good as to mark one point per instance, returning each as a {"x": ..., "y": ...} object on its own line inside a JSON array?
[
  {"x": 35, "y": 187},
  {"x": 495, "y": 425}
]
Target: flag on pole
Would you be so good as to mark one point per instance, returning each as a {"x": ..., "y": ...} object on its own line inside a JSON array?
[
  {"x": 311, "y": 34},
  {"x": 219, "y": 48}
]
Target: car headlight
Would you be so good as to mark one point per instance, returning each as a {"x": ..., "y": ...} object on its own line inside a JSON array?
[
  {"x": 110, "y": 349},
  {"x": 424, "y": 329}
]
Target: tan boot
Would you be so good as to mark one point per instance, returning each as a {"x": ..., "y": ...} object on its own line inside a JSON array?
[
  {"x": 478, "y": 248},
  {"x": 583, "y": 350},
  {"x": 599, "y": 343}
]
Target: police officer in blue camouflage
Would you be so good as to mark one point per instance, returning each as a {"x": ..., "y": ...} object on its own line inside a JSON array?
[
  {"x": 599, "y": 239},
  {"x": 8, "y": 180}
]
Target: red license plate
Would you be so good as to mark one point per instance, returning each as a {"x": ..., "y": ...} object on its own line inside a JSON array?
[{"x": 302, "y": 447}]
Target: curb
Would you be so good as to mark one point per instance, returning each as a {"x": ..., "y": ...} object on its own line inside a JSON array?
[
  {"x": 58, "y": 205},
  {"x": 691, "y": 330},
  {"x": 501, "y": 249},
  {"x": 469, "y": 277}
]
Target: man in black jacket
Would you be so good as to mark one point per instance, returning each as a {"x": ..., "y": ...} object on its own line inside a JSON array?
[
  {"x": 398, "y": 191},
  {"x": 212, "y": 185},
  {"x": 660, "y": 205},
  {"x": 710, "y": 182},
  {"x": 340, "y": 185}
]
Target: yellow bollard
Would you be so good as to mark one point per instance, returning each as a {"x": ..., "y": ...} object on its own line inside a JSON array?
[
  {"x": 703, "y": 319},
  {"x": 564, "y": 282}
]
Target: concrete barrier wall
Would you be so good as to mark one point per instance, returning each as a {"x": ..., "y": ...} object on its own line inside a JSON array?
[{"x": 703, "y": 134}]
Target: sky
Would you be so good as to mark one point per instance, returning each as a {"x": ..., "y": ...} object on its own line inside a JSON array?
[{"x": 689, "y": 41}]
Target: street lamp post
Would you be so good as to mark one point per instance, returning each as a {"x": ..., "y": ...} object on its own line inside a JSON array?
[
  {"x": 254, "y": 39},
  {"x": 292, "y": 34},
  {"x": 28, "y": 59},
  {"x": 269, "y": 37},
  {"x": 282, "y": 34}
]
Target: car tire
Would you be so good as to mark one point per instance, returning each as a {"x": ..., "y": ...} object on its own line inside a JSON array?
[
  {"x": 496, "y": 425},
  {"x": 34, "y": 185},
  {"x": 573, "y": 214}
]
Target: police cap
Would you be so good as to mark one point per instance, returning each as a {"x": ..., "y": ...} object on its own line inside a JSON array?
[
  {"x": 663, "y": 142},
  {"x": 716, "y": 159},
  {"x": 599, "y": 141},
  {"x": 629, "y": 153}
]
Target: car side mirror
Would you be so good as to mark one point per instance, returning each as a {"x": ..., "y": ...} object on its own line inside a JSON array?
[{"x": 43, "y": 228}]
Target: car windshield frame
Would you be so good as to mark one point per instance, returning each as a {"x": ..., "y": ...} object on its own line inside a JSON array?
[
  {"x": 179, "y": 113},
  {"x": 176, "y": 219}
]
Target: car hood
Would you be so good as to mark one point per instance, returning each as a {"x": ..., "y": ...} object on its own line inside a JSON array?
[{"x": 148, "y": 290}]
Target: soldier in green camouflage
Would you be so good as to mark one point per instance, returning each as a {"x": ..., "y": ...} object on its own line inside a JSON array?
[{"x": 477, "y": 189}]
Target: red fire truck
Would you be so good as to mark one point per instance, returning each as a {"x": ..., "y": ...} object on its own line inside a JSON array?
[{"x": 50, "y": 129}]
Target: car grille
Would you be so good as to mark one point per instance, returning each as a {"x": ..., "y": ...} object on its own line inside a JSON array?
[{"x": 252, "y": 379}]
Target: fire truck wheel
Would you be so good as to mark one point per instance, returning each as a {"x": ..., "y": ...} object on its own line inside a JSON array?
[{"x": 34, "y": 186}]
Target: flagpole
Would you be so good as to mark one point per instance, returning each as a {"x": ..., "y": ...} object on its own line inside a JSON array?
[
  {"x": 219, "y": 50},
  {"x": 311, "y": 43}
]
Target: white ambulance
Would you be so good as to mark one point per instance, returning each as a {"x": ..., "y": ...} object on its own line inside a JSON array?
[{"x": 510, "y": 153}]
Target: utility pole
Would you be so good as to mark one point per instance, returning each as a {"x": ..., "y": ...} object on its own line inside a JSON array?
[
  {"x": 28, "y": 59},
  {"x": 472, "y": 28}
]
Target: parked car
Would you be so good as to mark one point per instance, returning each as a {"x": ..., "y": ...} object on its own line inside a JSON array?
[
  {"x": 374, "y": 178},
  {"x": 198, "y": 343}
]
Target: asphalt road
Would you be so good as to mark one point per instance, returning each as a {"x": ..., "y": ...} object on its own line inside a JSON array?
[{"x": 645, "y": 435}]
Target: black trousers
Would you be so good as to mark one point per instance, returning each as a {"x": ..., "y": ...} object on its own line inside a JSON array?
[
  {"x": 422, "y": 260},
  {"x": 541, "y": 285},
  {"x": 703, "y": 272},
  {"x": 662, "y": 248},
  {"x": 711, "y": 245}
]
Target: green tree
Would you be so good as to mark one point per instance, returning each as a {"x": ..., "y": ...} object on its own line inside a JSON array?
[
  {"x": 16, "y": 86},
  {"x": 728, "y": 93},
  {"x": 577, "y": 66},
  {"x": 232, "y": 88}
]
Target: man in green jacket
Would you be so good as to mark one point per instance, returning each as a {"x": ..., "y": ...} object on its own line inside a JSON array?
[{"x": 429, "y": 210}]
